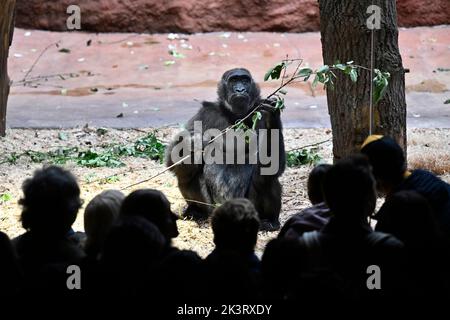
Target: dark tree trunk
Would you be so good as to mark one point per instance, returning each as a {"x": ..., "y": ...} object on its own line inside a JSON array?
[
  {"x": 6, "y": 32},
  {"x": 346, "y": 37}
]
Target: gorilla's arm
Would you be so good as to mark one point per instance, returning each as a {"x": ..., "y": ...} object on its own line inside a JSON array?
[
  {"x": 210, "y": 117},
  {"x": 271, "y": 120}
]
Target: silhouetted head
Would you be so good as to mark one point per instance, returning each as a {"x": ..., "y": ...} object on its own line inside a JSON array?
[
  {"x": 408, "y": 216},
  {"x": 349, "y": 189},
  {"x": 99, "y": 216},
  {"x": 315, "y": 183},
  {"x": 51, "y": 202},
  {"x": 153, "y": 206},
  {"x": 387, "y": 160},
  {"x": 237, "y": 91},
  {"x": 235, "y": 225},
  {"x": 131, "y": 252}
]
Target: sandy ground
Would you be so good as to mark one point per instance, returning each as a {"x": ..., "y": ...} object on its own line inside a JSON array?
[{"x": 428, "y": 148}]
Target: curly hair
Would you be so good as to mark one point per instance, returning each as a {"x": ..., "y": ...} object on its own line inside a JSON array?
[{"x": 51, "y": 202}]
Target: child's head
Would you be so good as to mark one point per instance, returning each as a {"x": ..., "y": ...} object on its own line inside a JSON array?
[{"x": 235, "y": 225}]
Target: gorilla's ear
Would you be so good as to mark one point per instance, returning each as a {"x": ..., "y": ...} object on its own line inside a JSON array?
[
  {"x": 256, "y": 94},
  {"x": 222, "y": 90}
]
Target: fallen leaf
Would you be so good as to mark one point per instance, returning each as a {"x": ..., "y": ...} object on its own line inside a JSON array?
[{"x": 62, "y": 136}]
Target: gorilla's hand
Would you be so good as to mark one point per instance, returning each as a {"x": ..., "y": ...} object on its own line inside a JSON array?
[{"x": 270, "y": 114}]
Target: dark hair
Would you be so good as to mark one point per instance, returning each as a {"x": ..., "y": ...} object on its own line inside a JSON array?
[
  {"x": 132, "y": 240},
  {"x": 131, "y": 253},
  {"x": 153, "y": 206},
  {"x": 51, "y": 202},
  {"x": 235, "y": 225},
  {"x": 349, "y": 188},
  {"x": 315, "y": 183},
  {"x": 387, "y": 160},
  {"x": 408, "y": 216}
]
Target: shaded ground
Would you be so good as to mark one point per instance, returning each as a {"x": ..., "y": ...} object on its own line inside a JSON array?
[
  {"x": 100, "y": 76},
  {"x": 427, "y": 149}
]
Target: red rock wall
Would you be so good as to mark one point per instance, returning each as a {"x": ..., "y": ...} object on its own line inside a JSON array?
[{"x": 190, "y": 16}]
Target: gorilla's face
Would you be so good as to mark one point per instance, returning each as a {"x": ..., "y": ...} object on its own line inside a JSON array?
[{"x": 238, "y": 91}]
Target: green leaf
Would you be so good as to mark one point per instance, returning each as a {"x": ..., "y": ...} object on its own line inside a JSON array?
[
  {"x": 381, "y": 82},
  {"x": 305, "y": 72},
  {"x": 354, "y": 74},
  {"x": 280, "y": 104},
  {"x": 275, "y": 72},
  {"x": 62, "y": 136},
  {"x": 323, "y": 69},
  {"x": 316, "y": 81},
  {"x": 282, "y": 91},
  {"x": 240, "y": 125},
  {"x": 256, "y": 117},
  {"x": 447, "y": 101},
  {"x": 340, "y": 66},
  {"x": 5, "y": 197},
  {"x": 301, "y": 157}
]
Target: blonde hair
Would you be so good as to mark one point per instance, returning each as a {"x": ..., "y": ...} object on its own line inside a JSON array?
[{"x": 99, "y": 215}]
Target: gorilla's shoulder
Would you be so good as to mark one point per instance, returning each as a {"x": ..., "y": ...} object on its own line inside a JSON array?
[
  {"x": 210, "y": 106},
  {"x": 208, "y": 109}
]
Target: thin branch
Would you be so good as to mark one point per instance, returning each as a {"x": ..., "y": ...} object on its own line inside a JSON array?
[
  {"x": 39, "y": 58},
  {"x": 284, "y": 70},
  {"x": 157, "y": 174},
  {"x": 310, "y": 145}
]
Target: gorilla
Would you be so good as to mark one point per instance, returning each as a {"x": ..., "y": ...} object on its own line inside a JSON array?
[{"x": 202, "y": 182}]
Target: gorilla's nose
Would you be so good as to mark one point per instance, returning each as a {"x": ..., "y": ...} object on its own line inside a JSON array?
[{"x": 240, "y": 90}]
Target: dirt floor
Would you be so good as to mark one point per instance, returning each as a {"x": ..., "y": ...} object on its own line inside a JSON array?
[{"x": 428, "y": 148}]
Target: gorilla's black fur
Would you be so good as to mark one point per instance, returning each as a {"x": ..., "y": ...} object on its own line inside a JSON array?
[{"x": 238, "y": 95}]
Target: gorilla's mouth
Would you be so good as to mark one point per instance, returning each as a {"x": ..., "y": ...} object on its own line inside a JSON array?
[
  {"x": 240, "y": 98},
  {"x": 240, "y": 103}
]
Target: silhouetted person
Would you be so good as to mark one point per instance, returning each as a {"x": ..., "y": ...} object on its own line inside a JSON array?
[
  {"x": 99, "y": 216},
  {"x": 153, "y": 206},
  {"x": 347, "y": 246},
  {"x": 408, "y": 216},
  {"x": 281, "y": 264},
  {"x": 181, "y": 277},
  {"x": 11, "y": 278},
  {"x": 131, "y": 253},
  {"x": 389, "y": 168},
  {"x": 50, "y": 205},
  {"x": 312, "y": 218},
  {"x": 233, "y": 269}
]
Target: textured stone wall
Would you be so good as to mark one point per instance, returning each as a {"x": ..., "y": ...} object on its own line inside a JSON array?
[{"x": 189, "y": 16}]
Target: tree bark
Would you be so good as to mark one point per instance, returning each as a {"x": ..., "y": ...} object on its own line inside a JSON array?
[
  {"x": 6, "y": 32},
  {"x": 346, "y": 37}
]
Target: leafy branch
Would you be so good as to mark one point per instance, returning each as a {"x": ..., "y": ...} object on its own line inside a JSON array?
[
  {"x": 327, "y": 76},
  {"x": 110, "y": 156}
]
